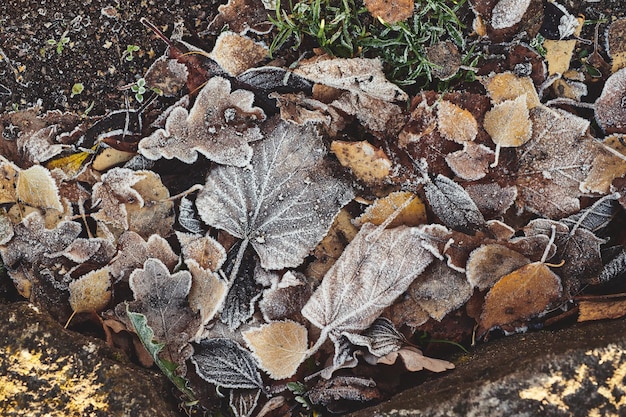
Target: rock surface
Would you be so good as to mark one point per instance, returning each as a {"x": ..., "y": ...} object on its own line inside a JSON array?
[
  {"x": 46, "y": 370},
  {"x": 578, "y": 371}
]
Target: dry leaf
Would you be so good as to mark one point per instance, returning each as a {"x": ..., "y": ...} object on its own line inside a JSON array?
[
  {"x": 412, "y": 215},
  {"x": 36, "y": 188},
  {"x": 381, "y": 117},
  {"x": 207, "y": 292},
  {"x": 609, "y": 108},
  {"x": 487, "y": 264},
  {"x": 360, "y": 75},
  {"x": 91, "y": 292},
  {"x": 559, "y": 52},
  {"x": 237, "y": 53},
  {"x": 335, "y": 392},
  {"x": 390, "y": 12},
  {"x": 279, "y": 346},
  {"x": 472, "y": 162},
  {"x": 166, "y": 75},
  {"x": 204, "y": 250},
  {"x": 508, "y": 86},
  {"x": 38, "y": 146},
  {"x": 456, "y": 124},
  {"x": 367, "y": 163},
  {"x": 285, "y": 298},
  {"x": 284, "y": 204},
  {"x": 601, "y": 309},
  {"x": 610, "y": 163},
  {"x": 241, "y": 16},
  {"x": 414, "y": 360},
  {"x": 516, "y": 131},
  {"x": 616, "y": 44},
  {"x": 376, "y": 267},
  {"x": 8, "y": 182},
  {"x": 220, "y": 125},
  {"x": 447, "y": 60},
  {"x": 113, "y": 192},
  {"x": 243, "y": 401},
  {"x": 519, "y": 296},
  {"x": 507, "y": 13}
]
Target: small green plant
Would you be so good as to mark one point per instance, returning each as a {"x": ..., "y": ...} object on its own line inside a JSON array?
[
  {"x": 537, "y": 43},
  {"x": 344, "y": 28},
  {"x": 299, "y": 390},
  {"x": 77, "y": 88},
  {"x": 60, "y": 44},
  {"x": 128, "y": 53},
  {"x": 139, "y": 88}
]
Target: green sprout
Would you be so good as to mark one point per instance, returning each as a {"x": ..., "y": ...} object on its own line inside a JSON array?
[
  {"x": 344, "y": 28},
  {"x": 77, "y": 89},
  {"x": 60, "y": 44},
  {"x": 139, "y": 88},
  {"x": 537, "y": 43},
  {"x": 128, "y": 53}
]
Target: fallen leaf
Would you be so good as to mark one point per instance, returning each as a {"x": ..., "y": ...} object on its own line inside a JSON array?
[
  {"x": 519, "y": 296},
  {"x": 361, "y": 76},
  {"x": 516, "y": 131},
  {"x": 616, "y": 46},
  {"x": 113, "y": 192},
  {"x": 91, "y": 292},
  {"x": 166, "y": 75},
  {"x": 187, "y": 217},
  {"x": 390, "y": 12},
  {"x": 595, "y": 217},
  {"x": 589, "y": 310},
  {"x": 204, "y": 250},
  {"x": 285, "y": 298},
  {"x": 559, "y": 52},
  {"x": 279, "y": 346},
  {"x": 455, "y": 123},
  {"x": 447, "y": 60},
  {"x": 237, "y": 53},
  {"x": 414, "y": 360},
  {"x": 613, "y": 269},
  {"x": 376, "y": 267},
  {"x": 508, "y": 86},
  {"x": 241, "y": 16},
  {"x": 225, "y": 363},
  {"x": 220, "y": 125},
  {"x": 610, "y": 113},
  {"x": 207, "y": 292},
  {"x": 412, "y": 215},
  {"x": 36, "y": 188},
  {"x": 38, "y": 147},
  {"x": 284, "y": 204},
  {"x": 610, "y": 163},
  {"x": 367, "y": 163},
  {"x": 381, "y": 117},
  {"x": 472, "y": 162},
  {"x": 380, "y": 339},
  {"x": 487, "y": 264},
  {"x": 332, "y": 393},
  {"x": 243, "y": 401}
]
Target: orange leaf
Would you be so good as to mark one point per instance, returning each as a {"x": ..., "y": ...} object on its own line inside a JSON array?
[
  {"x": 366, "y": 162},
  {"x": 412, "y": 215}
]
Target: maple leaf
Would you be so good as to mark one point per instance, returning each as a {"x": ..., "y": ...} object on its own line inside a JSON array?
[
  {"x": 376, "y": 267},
  {"x": 220, "y": 125},
  {"x": 162, "y": 298},
  {"x": 284, "y": 204}
]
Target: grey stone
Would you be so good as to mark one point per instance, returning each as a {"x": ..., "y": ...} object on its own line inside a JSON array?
[
  {"x": 577, "y": 371},
  {"x": 46, "y": 370}
]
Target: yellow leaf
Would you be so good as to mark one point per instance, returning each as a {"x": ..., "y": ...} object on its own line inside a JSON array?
[
  {"x": 8, "y": 180},
  {"x": 559, "y": 52},
  {"x": 280, "y": 347},
  {"x": 36, "y": 188},
  {"x": 412, "y": 215},
  {"x": 70, "y": 164},
  {"x": 456, "y": 124},
  {"x": 608, "y": 165},
  {"x": 508, "y": 86},
  {"x": 91, "y": 292},
  {"x": 508, "y": 123},
  {"x": 366, "y": 162}
]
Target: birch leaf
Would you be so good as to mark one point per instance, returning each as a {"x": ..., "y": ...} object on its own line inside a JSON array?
[
  {"x": 284, "y": 203},
  {"x": 279, "y": 346},
  {"x": 36, "y": 188},
  {"x": 376, "y": 267},
  {"x": 91, "y": 292},
  {"x": 225, "y": 363}
]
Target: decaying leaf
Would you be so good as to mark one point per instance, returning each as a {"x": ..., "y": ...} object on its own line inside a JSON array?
[
  {"x": 225, "y": 363},
  {"x": 284, "y": 204},
  {"x": 237, "y": 53},
  {"x": 595, "y": 217},
  {"x": 91, "y": 292},
  {"x": 455, "y": 123},
  {"x": 220, "y": 125},
  {"x": 390, "y": 12},
  {"x": 487, "y": 264},
  {"x": 243, "y": 401},
  {"x": 412, "y": 215},
  {"x": 162, "y": 298},
  {"x": 366, "y": 162},
  {"x": 472, "y": 162},
  {"x": 507, "y": 13},
  {"x": 375, "y": 268},
  {"x": 453, "y": 205},
  {"x": 601, "y": 309},
  {"x": 36, "y": 188},
  {"x": 609, "y": 109},
  {"x": 244, "y": 290},
  {"x": 359, "y": 75},
  {"x": 381, "y": 117},
  {"x": 187, "y": 217},
  {"x": 331, "y": 393},
  {"x": 414, "y": 360},
  {"x": 518, "y": 128},
  {"x": 166, "y": 75},
  {"x": 616, "y": 44},
  {"x": 380, "y": 339},
  {"x": 508, "y": 86},
  {"x": 523, "y": 294},
  {"x": 113, "y": 192},
  {"x": 285, "y": 298},
  {"x": 610, "y": 163},
  {"x": 241, "y": 16},
  {"x": 279, "y": 346}
]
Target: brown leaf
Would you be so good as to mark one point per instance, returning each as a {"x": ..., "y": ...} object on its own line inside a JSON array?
[
  {"x": 241, "y": 16},
  {"x": 367, "y": 163},
  {"x": 167, "y": 75},
  {"x": 279, "y": 346},
  {"x": 616, "y": 44},
  {"x": 487, "y": 264},
  {"x": 610, "y": 163},
  {"x": 610, "y": 112},
  {"x": 382, "y": 118},
  {"x": 472, "y": 162},
  {"x": 412, "y": 215},
  {"x": 414, "y": 360},
  {"x": 341, "y": 388},
  {"x": 91, "y": 292},
  {"x": 390, "y": 12},
  {"x": 237, "y": 53},
  {"x": 519, "y": 296},
  {"x": 601, "y": 309},
  {"x": 456, "y": 124}
]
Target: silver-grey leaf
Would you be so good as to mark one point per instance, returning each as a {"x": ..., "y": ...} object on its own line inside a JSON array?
[
  {"x": 596, "y": 216},
  {"x": 225, "y": 363},
  {"x": 187, "y": 217},
  {"x": 614, "y": 268},
  {"x": 381, "y": 338},
  {"x": 374, "y": 269},
  {"x": 243, "y": 401},
  {"x": 284, "y": 203},
  {"x": 453, "y": 205}
]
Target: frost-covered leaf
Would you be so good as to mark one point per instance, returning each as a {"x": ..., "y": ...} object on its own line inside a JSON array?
[
  {"x": 220, "y": 125},
  {"x": 506, "y": 13},
  {"x": 334, "y": 392},
  {"x": 487, "y": 264},
  {"x": 162, "y": 298},
  {"x": 610, "y": 112},
  {"x": 412, "y": 215},
  {"x": 38, "y": 146},
  {"x": 279, "y": 346},
  {"x": 225, "y": 363},
  {"x": 376, "y": 267},
  {"x": 237, "y": 53},
  {"x": 595, "y": 217},
  {"x": 36, "y": 188},
  {"x": 379, "y": 116},
  {"x": 455, "y": 123},
  {"x": 367, "y": 163},
  {"x": 616, "y": 267},
  {"x": 380, "y": 339},
  {"x": 359, "y": 75},
  {"x": 508, "y": 86},
  {"x": 472, "y": 162},
  {"x": 414, "y": 360},
  {"x": 207, "y": 292},
  {"x": 285, "y": 298},
  {"x": 146, "y": 335},
  {"x": 241, "y": 16},
  {"x": 187, "y": 217},
  {"x": 284, "y": 204},
  {"x": 609, "y": 164},
  {"x": 453, "y": 205},
  {"x": 113, "y": 192},
  {"x": 91, "y": 292},
  {"x": 166, "y": 75},
  {"x": 516, "y": 131},
  {"x": 390, "y": 12},
  {"x": 205, "y": 250},
  {"x": 243, "y": 401}
]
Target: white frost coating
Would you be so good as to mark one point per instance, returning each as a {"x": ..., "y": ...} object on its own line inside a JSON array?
[{"x": 507, "y": 13}]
